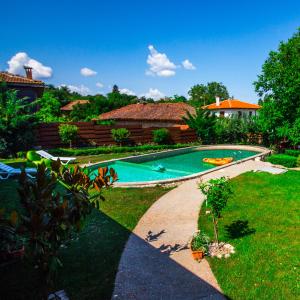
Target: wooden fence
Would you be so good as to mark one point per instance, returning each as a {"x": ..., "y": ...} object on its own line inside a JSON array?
[{"x": 90, "y": 133}]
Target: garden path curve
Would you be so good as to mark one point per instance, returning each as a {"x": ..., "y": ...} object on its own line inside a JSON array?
[{"x": 156, "y": 263}]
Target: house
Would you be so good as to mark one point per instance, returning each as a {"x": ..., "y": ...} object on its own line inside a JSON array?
[
  {"x": 149, "y": 114},
  {"x": 26, "y": 86},
  {"x": 69, "y": 107},
  {"x": 232, "y": 107}
]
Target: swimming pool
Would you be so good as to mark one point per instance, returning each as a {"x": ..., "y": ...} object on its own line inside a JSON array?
[{"x": 169, "y": 165}]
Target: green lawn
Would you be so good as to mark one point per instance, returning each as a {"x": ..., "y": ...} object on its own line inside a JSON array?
[
  {"x": 91, "y": 261},
  {"x": 262, "y": 222}
]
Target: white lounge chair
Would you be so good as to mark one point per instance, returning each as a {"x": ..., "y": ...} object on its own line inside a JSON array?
[
  {"x": 64, "y": 160},
  {"x": 7, "y": 171}
]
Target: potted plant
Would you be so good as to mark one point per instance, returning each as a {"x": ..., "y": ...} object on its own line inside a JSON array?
[{"x": 199, "y": 245}]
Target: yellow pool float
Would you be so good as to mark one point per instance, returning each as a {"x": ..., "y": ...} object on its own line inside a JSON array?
[{"x": 218, "y": 161}]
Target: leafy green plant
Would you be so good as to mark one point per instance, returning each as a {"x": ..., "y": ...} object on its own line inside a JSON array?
[
  {"x": 283, "y": 159},
  {"x": 120, "y": 135},
  {"x": 68, "y": 133},
  {"x": 200, "y": 242},
  {"x": 161, "y": 136},
  {"x": 52, "y": 213},
  {"x": 217, "y": 193},
  {"x": 298, "y": 161}
]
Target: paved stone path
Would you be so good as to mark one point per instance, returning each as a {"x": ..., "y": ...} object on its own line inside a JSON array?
[{"x": 156, "y": 263}]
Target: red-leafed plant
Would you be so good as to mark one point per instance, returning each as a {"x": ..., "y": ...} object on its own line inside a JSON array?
[{"x": 55, "y": 205}]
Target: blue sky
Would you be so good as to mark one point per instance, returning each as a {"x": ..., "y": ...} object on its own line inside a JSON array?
[{"x": 225, "y": 41}]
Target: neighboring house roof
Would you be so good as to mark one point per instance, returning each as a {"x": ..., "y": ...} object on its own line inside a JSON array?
[
  {"x": 71, "y": 104},
  {"x": 232, "y": 104},
  {"x": 150, "y": 112},
  {"x": 18, "y": 79}
]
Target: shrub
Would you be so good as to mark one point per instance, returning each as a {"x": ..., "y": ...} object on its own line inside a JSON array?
[
  {"x": 115, "y": 149},
  {"x": 283, "y": 159},
  {"x": 298, "y": 161},
  {"x": 120, "y": 135},
  {"x": 292, "y": 152},
  {"x": 68, "y": 133},
  {"x": 161, "y": 136}
]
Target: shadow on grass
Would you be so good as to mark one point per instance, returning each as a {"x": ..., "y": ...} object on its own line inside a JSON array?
[
  {"x": 89, "y": 272},
  {"x": 238, "y": 229}
]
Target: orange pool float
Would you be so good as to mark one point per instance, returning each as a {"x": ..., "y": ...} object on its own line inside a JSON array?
[{"x": 218, "y": 161}]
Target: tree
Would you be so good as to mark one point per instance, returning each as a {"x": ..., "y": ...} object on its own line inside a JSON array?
[
  {"x": 202, "y": 94},
  {"x": 203, "y": 122},
  {"x": 278, "y": 87},
  {"x": 16, "y": 122},
  {"x": 49, "y": 108},
  {"x": 68, "y": 133},
  {"x": 217, "y": 193}
]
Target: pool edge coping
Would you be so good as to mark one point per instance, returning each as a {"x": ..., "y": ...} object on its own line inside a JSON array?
[{"x": 173, "y": 181}]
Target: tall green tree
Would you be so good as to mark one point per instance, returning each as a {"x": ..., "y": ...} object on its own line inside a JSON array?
[
  {"x": 202, "y": 94},
  {"x": 16, "y": 122},
  {"x": 203, "y": 122},
  {"x": 278, "y": 87},
  {"x": 49, "y": 108}
]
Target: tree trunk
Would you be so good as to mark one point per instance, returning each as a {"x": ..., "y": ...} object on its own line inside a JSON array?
[{"x": 215, "y": 221}]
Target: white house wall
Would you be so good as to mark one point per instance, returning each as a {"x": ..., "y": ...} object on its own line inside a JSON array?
[{"x": 231, "y": 112}]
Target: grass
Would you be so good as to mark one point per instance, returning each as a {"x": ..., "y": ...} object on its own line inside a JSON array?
[
  {"x": 91, "y": 261},
  {"x": 262, "y": 222}
]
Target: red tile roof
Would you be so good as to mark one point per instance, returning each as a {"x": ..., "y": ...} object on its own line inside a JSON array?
[
  {"x": 71, "y": 104},
  {"x": 232, "y": 104},
  {"x": 149, "y": 112},
  {"x": 15, "y": 79}
]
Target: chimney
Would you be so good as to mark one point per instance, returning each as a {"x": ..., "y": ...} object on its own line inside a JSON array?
[
  {"x": 28, "y": 71},
  {"x": 217, "y": 101}
]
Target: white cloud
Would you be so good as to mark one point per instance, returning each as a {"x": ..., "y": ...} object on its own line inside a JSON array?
[
  {"x": 127, "y": 92},
  {"x": 159, "y": 64},
  {"x": 154, "y": 94},
  {"x": 86, "y": 72},
  {"x": 99, "y": 85},
  {"x": 188, "y": 65},
  {"x": 17, "y": 62},
  {"x": 80, "y": 89}
]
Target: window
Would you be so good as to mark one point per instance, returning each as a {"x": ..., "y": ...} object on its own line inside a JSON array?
[
  {"x": 222, "y": 114},
  {"x": 239, "y": 114},
  {"x": 250, "y": 113}
]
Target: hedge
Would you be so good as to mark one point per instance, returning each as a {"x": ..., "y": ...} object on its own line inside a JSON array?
[
  {"x": 114, "y": 149},
  {"x": 292, "y": 152},
  {"x": 283, "y": 159}
]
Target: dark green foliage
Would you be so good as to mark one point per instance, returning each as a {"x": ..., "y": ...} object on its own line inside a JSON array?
[
  {"x": 284, "y": 160},
  {"x": 120, "y": 135},
  {"x": 202, "y": 94},
  {"x": 68, "y": 133},
  {"x": 298, "y": 161},
  {"x": 50, "y": 213},
  {"x": 161, "y": 136},
  {"x": 291, "y": 152},
  {"x": 217, "y": 193}
]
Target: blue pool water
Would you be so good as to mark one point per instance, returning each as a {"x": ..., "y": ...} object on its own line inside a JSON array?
[{"x": 173, "y": 166}]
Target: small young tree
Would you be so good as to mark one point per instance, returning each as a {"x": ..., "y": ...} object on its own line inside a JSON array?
[
  {"x": 120, "y": 135},
  {"x": 161, "y": 136},
  {"x": 217, "y": 192},
  {"x": 68, "y": 133}
]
